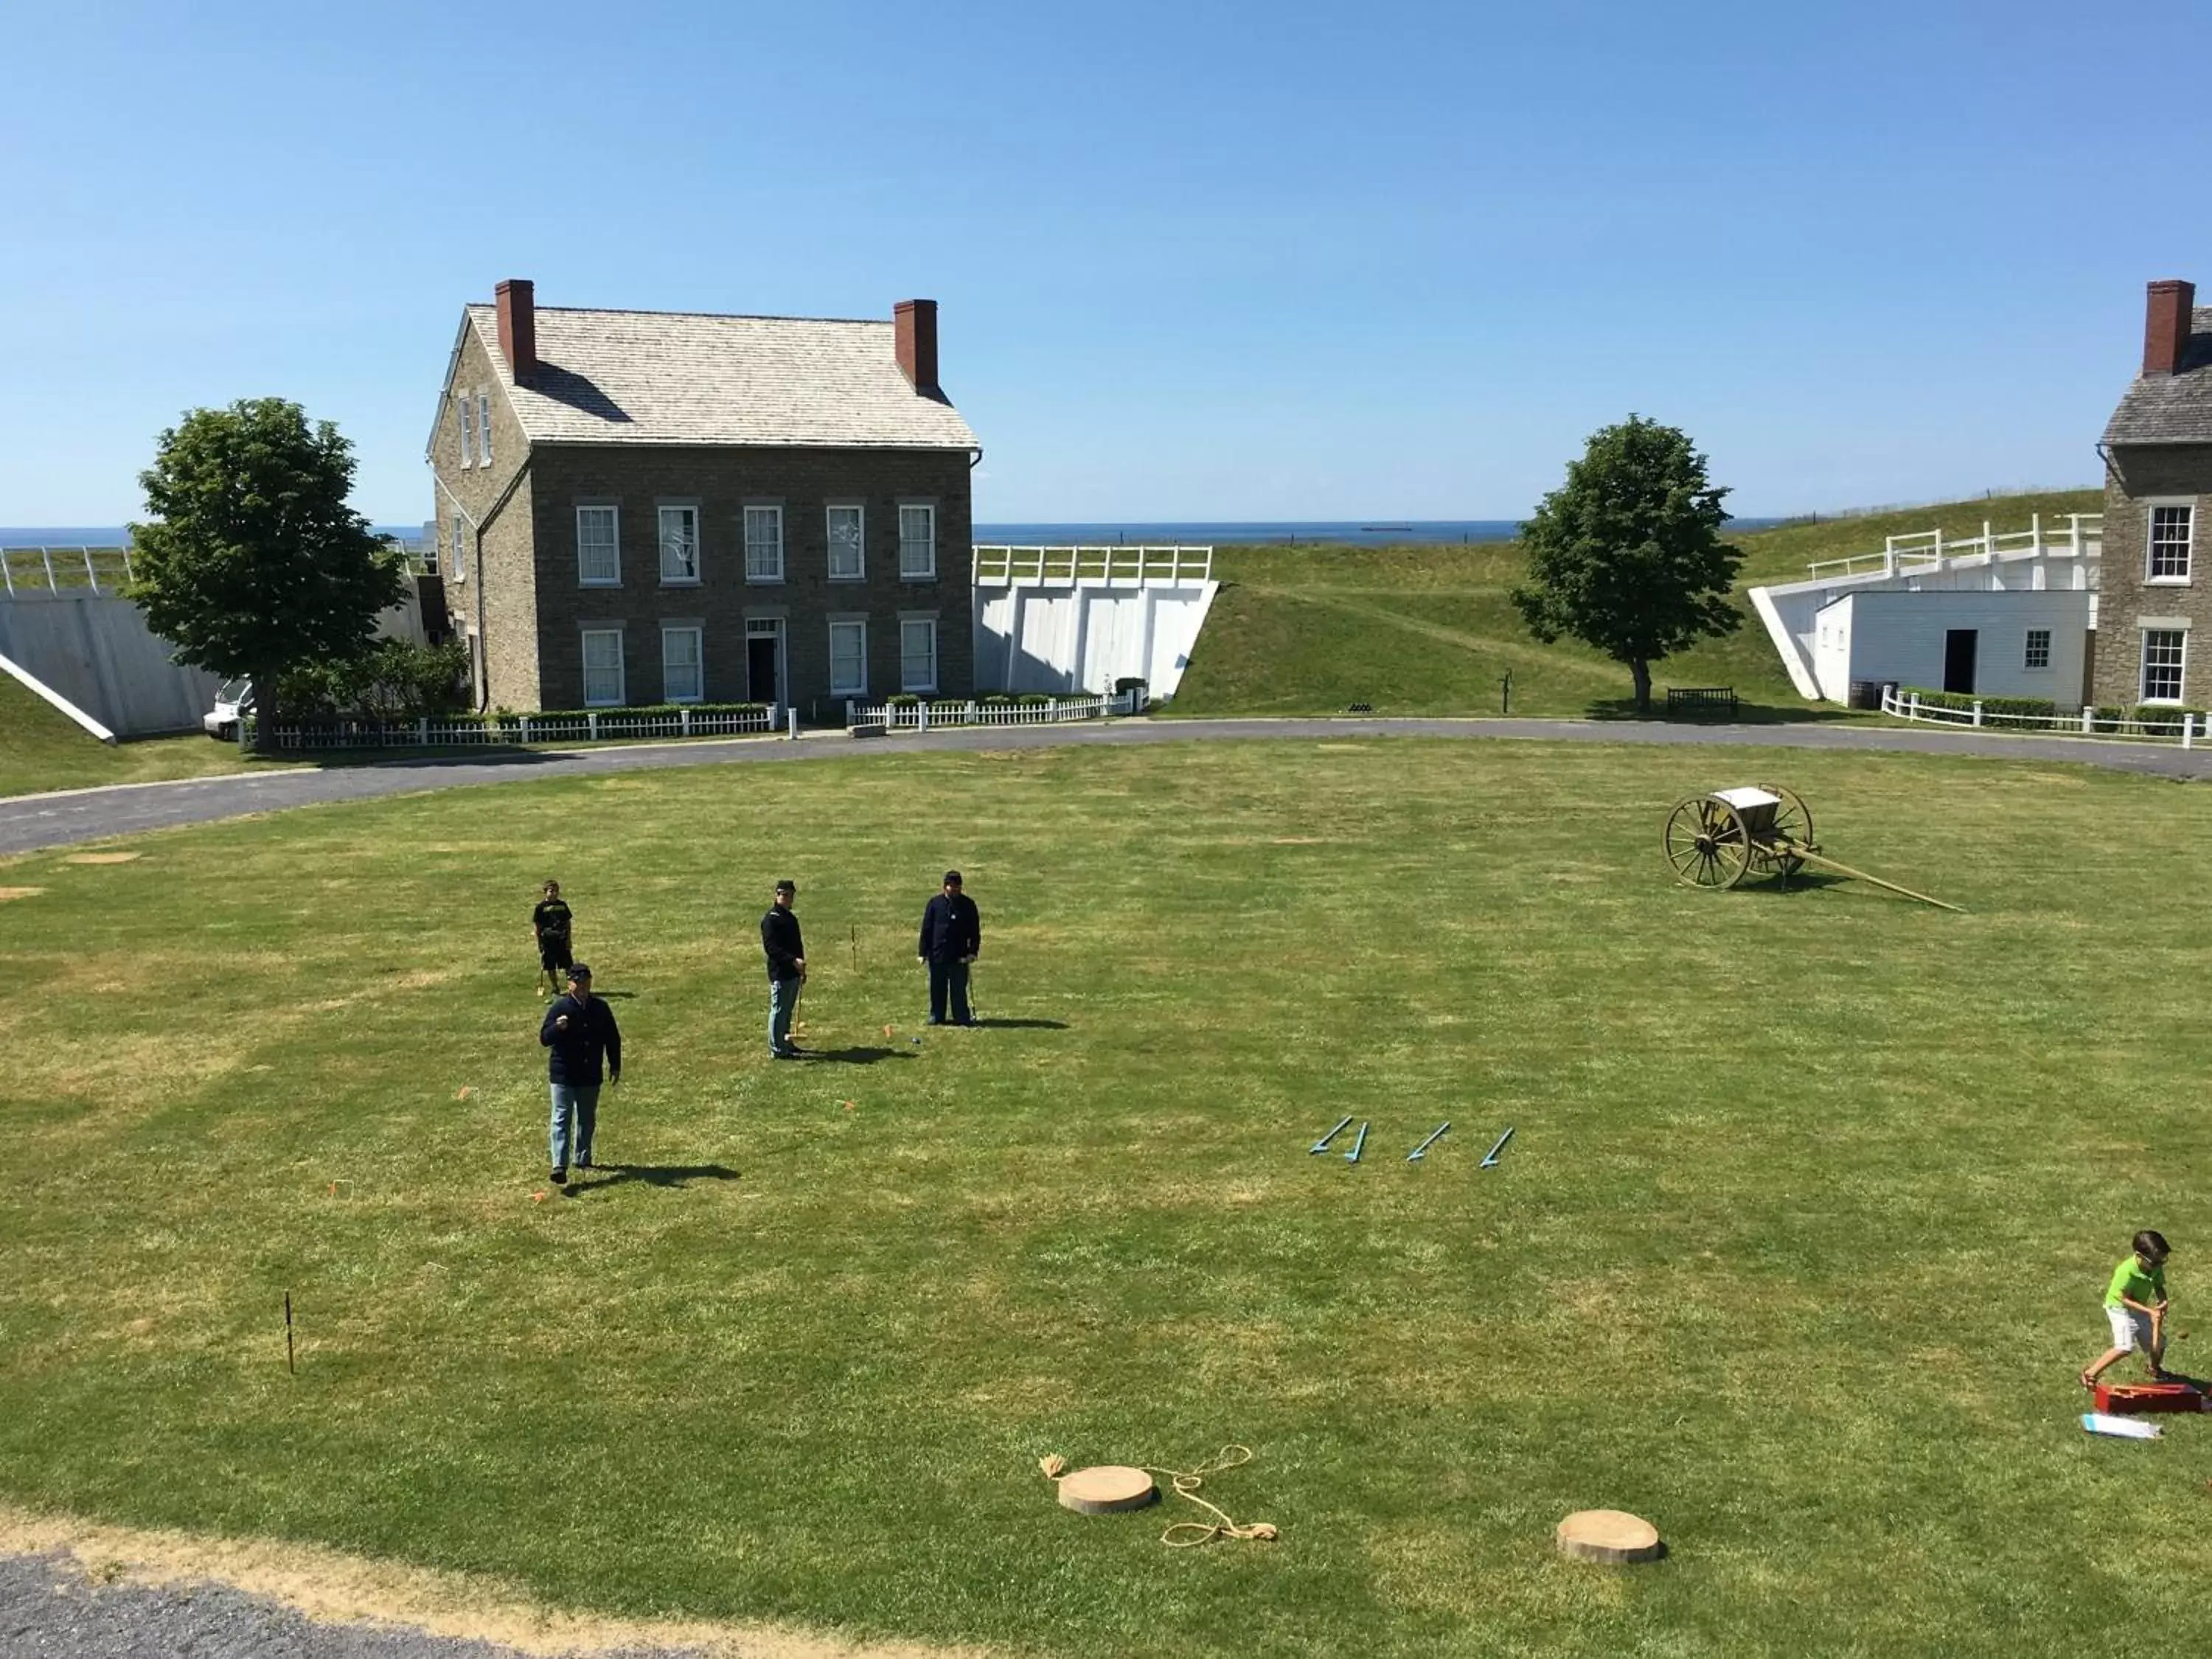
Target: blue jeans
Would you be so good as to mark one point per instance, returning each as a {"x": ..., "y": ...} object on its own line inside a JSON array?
[
  {"x": 577, "y": 1103},
  {"x": 948, "y": 978},
  {"x": 782, "y": 1003}
]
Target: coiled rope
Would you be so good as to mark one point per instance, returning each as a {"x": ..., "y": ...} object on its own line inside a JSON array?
[{"x": 1185, "y": 1483}]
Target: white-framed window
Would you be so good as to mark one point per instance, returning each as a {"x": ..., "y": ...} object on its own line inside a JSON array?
[
  {"x": 2164, "y": 652},
  {"x": 682, "y": 664},
  {"x": 598, "y": 546},
  {"x": 2038, "y": 649},
  {"x": 848, "y": 658},
  {"x": 917, "y": 543},
  {"x": 603, "y": 668},
  {"x": 848, "y": 545},
  {"x": 460, "y": 548},
  {"x": 679, "y": 545},
  {"x": 918, "y": 654},
  {"x": 2171, "y": 524},
  {"x": 764, "y": 543},
  {"x": 468, "y": 431},
  {"x": 484, "y": 428}
]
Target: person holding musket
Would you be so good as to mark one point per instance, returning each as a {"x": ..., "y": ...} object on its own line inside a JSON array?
[
  {"x": 787, "y": 969},
  {"x": 952, "y": 938}
]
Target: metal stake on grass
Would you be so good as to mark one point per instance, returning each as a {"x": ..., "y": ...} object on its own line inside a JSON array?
[
  {"x": 290, "y": 1365},
  {"x": 1491, "y": 1161},
  {"x": 1357, "y": 1146},
  {"x": 1422, "y": 1151},
  {"x": 1321, "y": 1146}
]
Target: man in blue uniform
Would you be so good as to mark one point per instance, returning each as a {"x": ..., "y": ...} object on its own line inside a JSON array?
[
  {"x": 951, "y": 938},
  {"x": 787, "y": 969}
]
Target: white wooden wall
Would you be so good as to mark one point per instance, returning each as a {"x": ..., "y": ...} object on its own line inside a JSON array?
[
  {"x": 1890, "y": 635},
  {"x": 1082, "y": 637}
]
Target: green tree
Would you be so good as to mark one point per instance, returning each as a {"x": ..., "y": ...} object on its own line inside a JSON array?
[
  {"x": 1626, "y": 554},
  {"x": 253, "y": 563}
]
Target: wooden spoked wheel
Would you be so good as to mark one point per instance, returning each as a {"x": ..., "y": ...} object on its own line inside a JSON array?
[
  {"x": 1793, "y": 821},
  {"x": 1706, "y": 843}
]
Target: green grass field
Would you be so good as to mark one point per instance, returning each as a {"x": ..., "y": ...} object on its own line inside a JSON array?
[
  {"x": 1796, "y": 1251},
  {"x": 41, "y": 748},
  {"x": 1430, "y": 630}
]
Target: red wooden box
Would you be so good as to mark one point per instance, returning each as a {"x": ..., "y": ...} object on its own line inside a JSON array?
[{"x": 2134, "y": 1399}]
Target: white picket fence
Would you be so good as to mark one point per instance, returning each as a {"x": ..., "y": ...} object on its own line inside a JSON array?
[
  {"x": 1051, "y": 711},
  {"x": 589, "y": 727},
  {"x": 2185, "y": 728},
  {"x": 1926, "y": 550}
]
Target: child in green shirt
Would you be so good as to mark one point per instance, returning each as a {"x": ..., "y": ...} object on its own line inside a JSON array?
[{"x": 2134, "y": 1306}]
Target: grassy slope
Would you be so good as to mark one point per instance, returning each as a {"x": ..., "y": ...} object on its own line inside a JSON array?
[
  {"x": 41, "y": 749},
  {"x": 1430, "y": 630},
  {"x": 1796, "y": 1251}
]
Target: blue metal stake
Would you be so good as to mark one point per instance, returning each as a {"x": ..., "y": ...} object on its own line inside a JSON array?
[
  {"x": 1422, "y": 1151},
  {"x": 1491, "y": 1162},
  {"x": 1321, "y": 1146},
  {"x": 1352, "y": 1156}
]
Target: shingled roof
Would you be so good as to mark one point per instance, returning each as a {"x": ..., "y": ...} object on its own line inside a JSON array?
[
  {"x": 2171, "y": 408},
  {"x": 657, "y": 377}
]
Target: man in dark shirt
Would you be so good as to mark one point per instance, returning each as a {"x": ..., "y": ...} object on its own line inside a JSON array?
[
  {"x": 579, "y": 1029},
  {"x": 550, "y": 923},
  {"x": 787, "y": 969},
  {"x": 951, "y": 938}
]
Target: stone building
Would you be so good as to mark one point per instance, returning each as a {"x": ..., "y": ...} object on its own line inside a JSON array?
[
  {"x": 2158, "y": 474},
  {"x": 639, "y": 507}
]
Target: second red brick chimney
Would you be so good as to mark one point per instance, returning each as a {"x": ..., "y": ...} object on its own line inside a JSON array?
[
  {"x": 518, "y": 325},
  {"x": 2166, "y": 325},
  {"x": 915, "y": 323}
]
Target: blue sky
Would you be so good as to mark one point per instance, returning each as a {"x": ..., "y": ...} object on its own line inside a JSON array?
[{"x": 1196, "y": 261}]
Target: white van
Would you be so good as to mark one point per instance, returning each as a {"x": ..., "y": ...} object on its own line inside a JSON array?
[{"x": 234, "y": 698}]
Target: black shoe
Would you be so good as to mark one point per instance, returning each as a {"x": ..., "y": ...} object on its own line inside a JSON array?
[
  {"x": 582, "y": 1164},
  {"x": 787, "y": 1053},
  {"x": 936, "y": 1022},
  {"x": 967, "y": 1021},
  {"x": 560, "y": 1177}
]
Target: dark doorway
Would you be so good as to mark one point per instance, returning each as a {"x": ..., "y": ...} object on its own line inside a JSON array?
[
  {"x": 763, "y": 679},
  {"x": 1958, "y": 645}
]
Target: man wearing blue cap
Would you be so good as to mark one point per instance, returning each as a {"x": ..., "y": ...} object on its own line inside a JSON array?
[
  {"x": 951, "y": 938},
  {"x": 578, "y": 1031}
]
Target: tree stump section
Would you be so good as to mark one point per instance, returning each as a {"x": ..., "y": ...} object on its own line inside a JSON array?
[
  {"x": 1612, "y": 1536},
  {"x": 1106, "y": 1490}
]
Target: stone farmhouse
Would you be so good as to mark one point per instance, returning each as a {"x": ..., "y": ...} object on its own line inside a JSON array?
[
  {"x": 637, "y": 508},
  {"x": 2158, "y": 472}
]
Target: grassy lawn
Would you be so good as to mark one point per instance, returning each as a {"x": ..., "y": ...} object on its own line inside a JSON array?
[
  {"x": 1796, "y": 1249},
  {"x": 40, "y": 748},
  {"x": 1429, "y": 630}
]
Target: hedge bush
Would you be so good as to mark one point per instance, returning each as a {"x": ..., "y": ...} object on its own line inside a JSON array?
[{"x": 1960, "y": 700}]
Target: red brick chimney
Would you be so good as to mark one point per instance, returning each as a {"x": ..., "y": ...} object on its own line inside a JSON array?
[
  {"x": 2166, "y": 325},
  {"x": 518, "y": 325},
  {"x": 915, "y": 321}
]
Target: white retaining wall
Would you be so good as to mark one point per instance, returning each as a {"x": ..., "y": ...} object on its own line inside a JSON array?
[
  {"x": 96, "y": 651},
  {"x": 1084, "y": 635}
]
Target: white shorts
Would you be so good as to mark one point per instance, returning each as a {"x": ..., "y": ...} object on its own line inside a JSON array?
[{"x": 2131, "y": 1329}]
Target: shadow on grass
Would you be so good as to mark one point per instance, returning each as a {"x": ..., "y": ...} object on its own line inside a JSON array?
[
  {"x": 856, "y": 1056},
  {"x": 1744, "y": 713},
  {"x": 655, "y": 1174},
  {"x": 1803, "y": 878},
  {"x": 1023, "y": 1024}
]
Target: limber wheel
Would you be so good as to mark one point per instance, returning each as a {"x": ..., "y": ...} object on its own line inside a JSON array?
[
  {"x": 1706, "y": 843},
  {"x": 1793, "y": 821}
]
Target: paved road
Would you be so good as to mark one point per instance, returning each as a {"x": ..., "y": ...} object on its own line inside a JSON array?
[{"x": 29, "y": 823}]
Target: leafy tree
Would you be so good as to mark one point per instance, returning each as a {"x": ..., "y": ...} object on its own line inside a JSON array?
[
  {"x": 1626, "y": 554},
  {"x": 254, "y": 563}
]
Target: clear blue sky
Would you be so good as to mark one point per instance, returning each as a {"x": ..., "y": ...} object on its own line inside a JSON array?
[{"x": 1281, "y": 260}]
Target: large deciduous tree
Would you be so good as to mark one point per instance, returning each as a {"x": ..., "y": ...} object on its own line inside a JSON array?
[
  {"x": 1626, "y": 554},
  {"x": 253, "y": 563}
]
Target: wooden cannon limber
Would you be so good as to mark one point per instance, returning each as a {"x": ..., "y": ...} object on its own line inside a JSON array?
[{"x": 1717, "y": 840}]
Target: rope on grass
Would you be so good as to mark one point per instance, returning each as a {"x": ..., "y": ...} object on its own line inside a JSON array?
[{"x": 1185, "y": 1483}]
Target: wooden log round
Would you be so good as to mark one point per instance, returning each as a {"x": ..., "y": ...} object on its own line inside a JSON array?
[
  {"x": 1106, "y": 1490},
  {"x": 1612, "y": 1536}
]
